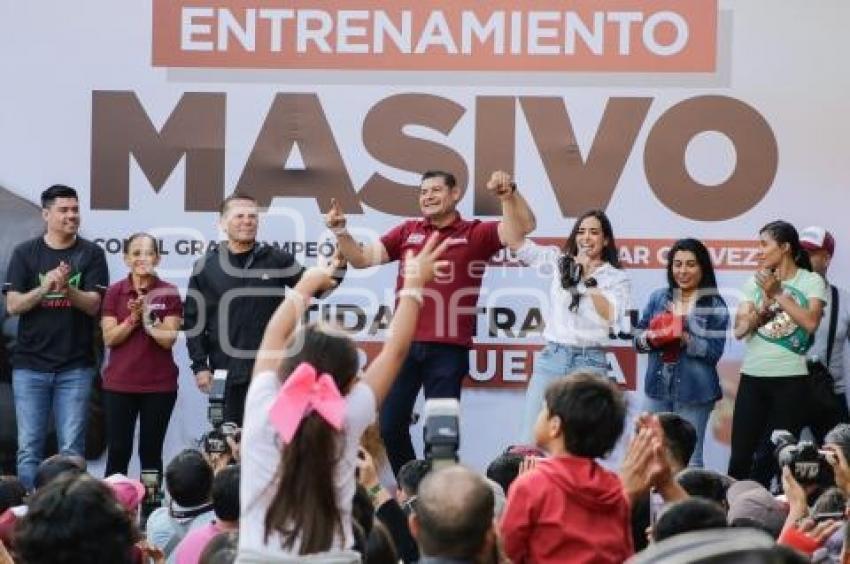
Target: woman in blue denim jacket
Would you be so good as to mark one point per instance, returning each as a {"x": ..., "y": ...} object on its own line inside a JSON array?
[{"x": 684, "y": 331}]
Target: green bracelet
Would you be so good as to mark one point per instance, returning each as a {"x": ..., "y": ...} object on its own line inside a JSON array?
[{"x": 375, "y": 490}]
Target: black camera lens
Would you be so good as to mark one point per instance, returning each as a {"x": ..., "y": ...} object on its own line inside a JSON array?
[{"x": 802, "y": 457}]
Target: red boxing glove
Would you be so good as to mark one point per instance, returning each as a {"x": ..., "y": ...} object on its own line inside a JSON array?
[
  {"x": 665, "y": 329},
  {"x": 798, "y": 540}
]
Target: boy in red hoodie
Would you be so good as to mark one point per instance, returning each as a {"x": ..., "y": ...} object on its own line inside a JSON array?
[{"x": 569, "y": 509}]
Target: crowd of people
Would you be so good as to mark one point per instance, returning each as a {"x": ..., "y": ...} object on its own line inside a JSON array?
[{"x": 317, "y": 463}]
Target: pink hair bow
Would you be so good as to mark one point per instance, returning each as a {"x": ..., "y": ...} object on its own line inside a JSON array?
[{"x": 304, "y": 392}]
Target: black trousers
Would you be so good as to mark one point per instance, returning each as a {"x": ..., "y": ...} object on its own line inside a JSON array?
[
  {"x": 764, "y": 404},
  {"x": 234, "y": 402},
  {"x": 122, "y": 409},
  {"x": 439, "y": 369},
  {"x": 822, "y": 423}
]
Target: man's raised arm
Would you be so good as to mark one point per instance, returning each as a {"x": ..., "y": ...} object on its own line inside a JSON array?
[{"x": 357, "y": 256}]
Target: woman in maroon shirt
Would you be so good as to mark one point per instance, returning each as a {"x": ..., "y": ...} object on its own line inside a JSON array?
[{"x": 141, "y": 320}]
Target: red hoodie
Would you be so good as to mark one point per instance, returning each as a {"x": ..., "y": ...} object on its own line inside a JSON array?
[{"x": 568, "y": 510}]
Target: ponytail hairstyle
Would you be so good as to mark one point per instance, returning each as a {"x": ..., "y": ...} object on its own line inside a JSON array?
[
  {"x": 609, "y": 253},
  {"x": 783, "y": 232},
  {"x": 304, "y": 507}
]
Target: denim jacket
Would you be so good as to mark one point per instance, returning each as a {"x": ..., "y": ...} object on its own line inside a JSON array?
[{"x": 696, "y": 369}]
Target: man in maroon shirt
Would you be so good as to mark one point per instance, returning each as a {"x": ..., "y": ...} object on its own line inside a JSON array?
[{"x": 439, "y": 356}]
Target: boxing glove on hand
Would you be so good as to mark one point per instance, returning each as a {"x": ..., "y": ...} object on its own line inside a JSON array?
[{"x": 665, "y": 329}]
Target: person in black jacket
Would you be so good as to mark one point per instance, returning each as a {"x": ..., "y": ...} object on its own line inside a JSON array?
[{"x": 233, "y": 292}]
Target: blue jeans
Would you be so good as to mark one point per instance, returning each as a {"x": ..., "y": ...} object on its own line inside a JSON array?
[
  {"x": 37, "y": 394},
  {"x": 553, "y": 362},
  {"x": 696, "y": 414},
  {"x": 439, "y": 369}
]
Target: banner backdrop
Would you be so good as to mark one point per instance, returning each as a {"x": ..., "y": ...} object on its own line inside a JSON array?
[{"x": 704, "y": 118}]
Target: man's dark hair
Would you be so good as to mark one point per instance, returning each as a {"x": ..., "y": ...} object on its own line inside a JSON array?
[
  {"x": 55, "y": 466},
  {"x": 750, "y": 523},
  {"x": 188, "y": 478},
  {"x": 720, "y": 546},
  {"x": 57, "y": 191},
  {"x": 693, "y": 514},
  {"x": 74, "y": 519},
  {"x": 592, "y": 411},
  {"x": 12, "y": 493},
  {"x": 840, "y": 436},
  {"x": 225, "y": 494},
  {"x": 707, "y": 484},
  {"x": 380, "y": 548},
  {"x": 225, "y": 203},
  {"x": 680, "y": 437},
  {"x": 448, "y": 178},
  {"x": 221, "y": 549},
  {"x": 833, "y": 500},
  {"x": 504, "y": 469},
  {"x": 454, "y": 512},
  {"x": 410, "y": 475},
  {"x": 362, "y": 510}
]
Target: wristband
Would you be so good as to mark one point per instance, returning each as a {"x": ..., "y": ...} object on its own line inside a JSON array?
[
  {"x": 413, "y": 293},
  {"x": 339, "y": 231},
  {"x": 374, "y": 491}
]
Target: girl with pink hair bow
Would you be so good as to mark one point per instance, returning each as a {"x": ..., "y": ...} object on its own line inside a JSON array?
[{"x": 304, "y": 415}]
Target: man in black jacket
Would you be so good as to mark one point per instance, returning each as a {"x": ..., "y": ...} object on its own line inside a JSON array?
[{"x": 233, "y": 292}]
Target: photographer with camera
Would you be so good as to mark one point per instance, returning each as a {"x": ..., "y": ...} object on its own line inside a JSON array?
[
  {"x": 837, "y": 442},
  {"x": 220, "y": 444},
  {"x": 588, "y": 301},
  {"x": 805, "y": 529},
  {"x": 809, "y": 465}
]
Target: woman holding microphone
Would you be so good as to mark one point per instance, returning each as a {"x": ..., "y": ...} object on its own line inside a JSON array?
[{"x": 588, "y": 301}]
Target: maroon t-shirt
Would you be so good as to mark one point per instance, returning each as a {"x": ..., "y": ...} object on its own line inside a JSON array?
[
  {"x": 139, "y": 364},
  {"x": 448, "y": 311}
]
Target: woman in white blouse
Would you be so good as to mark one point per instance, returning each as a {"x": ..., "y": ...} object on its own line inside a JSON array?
[{"x": 588, "y": 301}]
